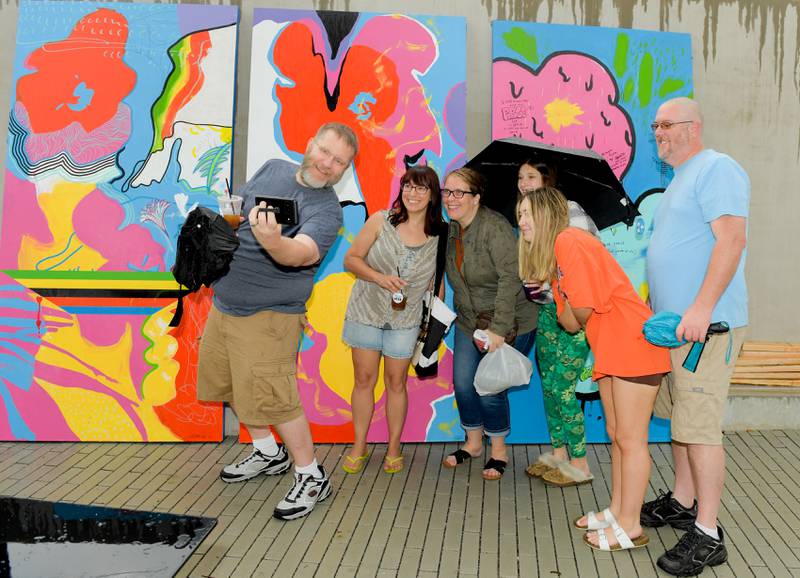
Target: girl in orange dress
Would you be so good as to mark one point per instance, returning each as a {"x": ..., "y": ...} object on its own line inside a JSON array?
[{"x": 593, "y": 292}]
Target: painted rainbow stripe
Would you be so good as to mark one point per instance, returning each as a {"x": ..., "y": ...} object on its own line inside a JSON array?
[
  {"x": 183, "y": 83},
  {"x": 89, "y": 281}
]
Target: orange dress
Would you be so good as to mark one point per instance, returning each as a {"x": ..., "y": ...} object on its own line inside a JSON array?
[{"x": 588, "y": 276}]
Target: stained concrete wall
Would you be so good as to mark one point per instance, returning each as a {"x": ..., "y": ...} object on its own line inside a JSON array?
[{"x": 746, "y": 75}]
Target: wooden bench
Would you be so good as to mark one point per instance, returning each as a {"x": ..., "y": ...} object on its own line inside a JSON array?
[{"x": 768, "y": 363}]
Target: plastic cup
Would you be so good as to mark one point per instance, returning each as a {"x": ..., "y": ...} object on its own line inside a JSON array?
[
  {"x": 398, "y": 301},
  {"x": 231, "y": 209}
]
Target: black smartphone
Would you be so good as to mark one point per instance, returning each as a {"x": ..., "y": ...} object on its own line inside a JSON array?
[{"x": 285, "y": 209}]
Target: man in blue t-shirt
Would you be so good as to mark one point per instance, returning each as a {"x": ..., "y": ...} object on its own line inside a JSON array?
[
  {"x": 248, "y": 351},
  {"x": 695, "y": 267}
]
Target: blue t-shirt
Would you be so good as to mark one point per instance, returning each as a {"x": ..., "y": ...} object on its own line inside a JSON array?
[
  {"x": 704, "y": 188},
  {"x": 255, "y": 281}
]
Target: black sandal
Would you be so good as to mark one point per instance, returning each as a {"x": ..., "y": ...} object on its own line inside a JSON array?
[
  {"x": 497, "y": 465},
  {"x": 461, "y": 456}
]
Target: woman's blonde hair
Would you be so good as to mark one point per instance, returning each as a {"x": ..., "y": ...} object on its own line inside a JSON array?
[{"x": 550, "y": 215}]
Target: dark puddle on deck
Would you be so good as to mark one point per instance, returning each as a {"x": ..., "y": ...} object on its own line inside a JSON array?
[{"x": 53, "y": 539}]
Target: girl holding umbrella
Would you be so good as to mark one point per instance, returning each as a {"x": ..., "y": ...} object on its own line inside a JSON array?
[{"x": 560, "y": 355}]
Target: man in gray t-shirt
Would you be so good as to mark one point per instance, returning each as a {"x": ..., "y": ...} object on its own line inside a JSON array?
[{"x": 249, "y": 347}]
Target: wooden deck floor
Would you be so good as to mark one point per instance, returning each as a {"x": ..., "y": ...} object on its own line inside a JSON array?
[{"x": 425, "y": 521}]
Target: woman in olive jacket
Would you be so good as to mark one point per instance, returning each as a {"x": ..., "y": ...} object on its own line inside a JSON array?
[{"x": 482, "y": 268}]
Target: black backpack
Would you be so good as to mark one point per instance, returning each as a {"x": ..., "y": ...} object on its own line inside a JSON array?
[{"x": 205, "y": 249}]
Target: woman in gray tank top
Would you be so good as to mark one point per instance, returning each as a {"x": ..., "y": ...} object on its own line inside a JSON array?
[{"x": 394, "y": 260}]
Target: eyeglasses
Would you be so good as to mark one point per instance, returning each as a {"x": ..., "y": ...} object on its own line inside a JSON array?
[
  {"x": 326, "y": 152},
  {"x": 667, "y": 124},
  {"x": 457, "y": 193},
  {"x": 421, "y": 189}
]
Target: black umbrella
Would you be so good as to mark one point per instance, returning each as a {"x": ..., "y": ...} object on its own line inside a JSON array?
[{"x": 583, "y": 176}]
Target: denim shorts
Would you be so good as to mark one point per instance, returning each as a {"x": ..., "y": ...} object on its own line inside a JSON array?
[{"x": 395, "y": 343}]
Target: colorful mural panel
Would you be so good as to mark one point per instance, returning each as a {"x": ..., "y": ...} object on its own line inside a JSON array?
[
  {"x": 399, "y": 82},
  {"x": 121, "y": 122},
  {"x": 599, "y": 89}
]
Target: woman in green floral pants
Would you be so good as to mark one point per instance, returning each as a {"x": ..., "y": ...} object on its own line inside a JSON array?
[{"x": 560, "y": 357}]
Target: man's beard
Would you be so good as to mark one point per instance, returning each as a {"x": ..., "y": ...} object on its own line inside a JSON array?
[{"x": 309, "y": 181}]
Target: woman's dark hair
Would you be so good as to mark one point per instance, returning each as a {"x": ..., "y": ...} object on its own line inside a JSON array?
[
  {"x": 426, "y": 176},
  {"x": 548, "y": 172}
]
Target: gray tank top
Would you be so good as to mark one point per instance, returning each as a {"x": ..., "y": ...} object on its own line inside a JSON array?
[{"x": 371, "y": 304}]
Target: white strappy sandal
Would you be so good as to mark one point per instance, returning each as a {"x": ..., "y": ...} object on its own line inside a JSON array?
[
  {"x": 594, "y": 523},
  {"x": 623, "y": 540}
]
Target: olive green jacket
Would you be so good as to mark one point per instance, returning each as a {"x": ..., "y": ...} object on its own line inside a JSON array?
[{"x": 492, "y": 275}]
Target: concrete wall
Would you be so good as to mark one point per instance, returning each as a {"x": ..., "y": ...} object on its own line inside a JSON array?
[{"x": 746, "y": 75}]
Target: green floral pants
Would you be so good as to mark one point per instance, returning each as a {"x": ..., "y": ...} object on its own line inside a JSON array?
[{"x": 561, "y": 357}]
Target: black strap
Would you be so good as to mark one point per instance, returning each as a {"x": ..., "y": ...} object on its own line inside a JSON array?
[
  {"x": 176, "y": 319},
  {"x": 441, "y": 254}
]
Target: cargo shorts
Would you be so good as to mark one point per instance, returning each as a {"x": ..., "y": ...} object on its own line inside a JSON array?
[
  {"x": 696, "y": 402},
  {"x": 250, "y": 362}
]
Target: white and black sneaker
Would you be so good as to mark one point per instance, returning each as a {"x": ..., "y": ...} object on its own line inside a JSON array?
[
  {"x": 304, "y": 495},
  {"x": 257, "y": 463}
]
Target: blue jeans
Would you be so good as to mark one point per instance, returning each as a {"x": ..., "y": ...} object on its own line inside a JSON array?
[{"x": 488, "y": 412}]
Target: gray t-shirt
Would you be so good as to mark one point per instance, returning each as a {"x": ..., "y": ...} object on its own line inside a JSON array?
[{"x": 255, "y": 281}]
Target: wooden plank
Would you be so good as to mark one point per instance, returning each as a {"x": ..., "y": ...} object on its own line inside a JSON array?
[
  {"x": 770, "y": 346},
  {"x": 775, "y": 371},
  {"x": 747, "y": 363},
  {"x": 765, "y": 381}
]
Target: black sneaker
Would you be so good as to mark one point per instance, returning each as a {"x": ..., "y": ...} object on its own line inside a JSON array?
[
  {"x": 257, "y": 463},
  {"x": 667, "y": 510},
  {"x": 304, "y": 495},
  {"x": 693, "y": 552}
]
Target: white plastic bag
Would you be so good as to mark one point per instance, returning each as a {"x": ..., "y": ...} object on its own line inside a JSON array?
[{"x": 502, "y": 368}]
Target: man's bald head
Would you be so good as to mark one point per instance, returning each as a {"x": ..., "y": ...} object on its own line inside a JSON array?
[{"x": 679, "y": 130}]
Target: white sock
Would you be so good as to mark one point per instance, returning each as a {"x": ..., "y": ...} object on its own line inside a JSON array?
[
  {"x": 708, "y": 531},
  {"x": 311, "y": 469},
  {"x": 267, "y": 446}
]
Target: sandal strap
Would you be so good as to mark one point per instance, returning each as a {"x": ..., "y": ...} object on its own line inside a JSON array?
[
  {"x": 622, "y": 537},
  {"x": 602, "y": 540},
  {"x": 498, "y": 465},
  {"x": 357, "y": 459},
  {"x": 609, "y": 517},
  {"x": 549, "y": 460},
  {"x": 461, "y": 456}
]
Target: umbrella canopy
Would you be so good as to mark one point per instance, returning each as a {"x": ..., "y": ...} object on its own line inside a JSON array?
[{"x": 583, "y": 176}]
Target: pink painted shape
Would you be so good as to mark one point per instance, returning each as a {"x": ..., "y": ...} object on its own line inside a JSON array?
[
  {"x": 104, "y": 330},
  {"x": 83, "y": 147},
  {"x": 22, "y": 309},
  {"x": 422, "y": 394},
  {"x": 5, "y": 425},
  {"x": 605, "y": 126},
  {"x": 42, "y": 415},
  {"x": 324, "y": 407},
  {"x": 21, "y": 216},
  {"x": 98, "y": 223},
  {"x": 413, "y": 49}
]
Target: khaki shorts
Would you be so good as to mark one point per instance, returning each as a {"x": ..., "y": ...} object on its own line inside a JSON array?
[
  {"x": 250, "y": 362},
  {"x": 696, "y": 402}
]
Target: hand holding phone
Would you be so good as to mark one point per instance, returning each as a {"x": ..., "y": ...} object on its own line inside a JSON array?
[{"x": 285, "y": 210}]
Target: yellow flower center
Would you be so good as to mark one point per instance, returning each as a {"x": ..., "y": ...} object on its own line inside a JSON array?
[{"x": 561, "y": 113}]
